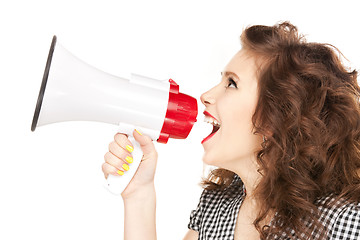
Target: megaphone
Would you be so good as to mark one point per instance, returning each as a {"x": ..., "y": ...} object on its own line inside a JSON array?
[{"x": 72, "y": 90}]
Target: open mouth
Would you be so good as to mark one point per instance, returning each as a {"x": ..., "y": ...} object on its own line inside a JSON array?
[
  {"x": 215, "y": 129},
  {"x": 216, "y": 126}
]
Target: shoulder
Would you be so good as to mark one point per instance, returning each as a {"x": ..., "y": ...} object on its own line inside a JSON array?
[
  {"x": 346, "y": 225},
  {"x": 213, "y": 203},
  {"x": 234, "y": 191},
  {"x": 342, "y": 219}
]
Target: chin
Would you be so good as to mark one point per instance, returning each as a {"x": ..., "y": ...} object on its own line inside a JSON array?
[
  {"x": 209, "y": 160},
  {"x": 213, "y": 160}
]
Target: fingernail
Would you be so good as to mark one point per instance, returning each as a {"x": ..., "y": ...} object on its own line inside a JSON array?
[
  {"x": 129, "y": 148},
  {"x": 125, "y": 167},
  {"x": 120, "y": 172},
  {"x": 129, "y": 159},
  {"x": 138, "y": 132}
]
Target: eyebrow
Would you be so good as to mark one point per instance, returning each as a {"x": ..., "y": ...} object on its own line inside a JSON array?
[{"x": 227, "y": 73}]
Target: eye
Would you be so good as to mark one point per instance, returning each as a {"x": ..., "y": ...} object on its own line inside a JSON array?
[{"x": 231, "y": 82}]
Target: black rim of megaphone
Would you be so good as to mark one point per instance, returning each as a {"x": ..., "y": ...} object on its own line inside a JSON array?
[{"x": 43, "y": 85}]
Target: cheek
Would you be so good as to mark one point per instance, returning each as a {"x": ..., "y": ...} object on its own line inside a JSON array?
[
  {"x": 237, "y": 117},
  {"x": 237, "y": 139},
  {"x": 242, "y": 116}
]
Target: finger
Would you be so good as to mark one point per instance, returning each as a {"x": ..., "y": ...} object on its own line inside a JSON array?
[
  {"x": 123, "y": 141},
  {"x": 146, "y": 144},
  {"x": 120, "y": 152},
  {"x": 116, "y": 162},
  {"x": 108, "y": 169}
]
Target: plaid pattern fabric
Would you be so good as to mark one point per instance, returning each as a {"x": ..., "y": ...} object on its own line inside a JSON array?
[
  {"x": 347, "y": 224},
  {"x": 216, "y": 214}
]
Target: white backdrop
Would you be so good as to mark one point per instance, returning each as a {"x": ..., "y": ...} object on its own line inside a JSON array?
[{"x": 51, "y": 179}]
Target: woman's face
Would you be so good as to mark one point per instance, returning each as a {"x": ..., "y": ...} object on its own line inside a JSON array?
[{"x": 232, "y": 103}]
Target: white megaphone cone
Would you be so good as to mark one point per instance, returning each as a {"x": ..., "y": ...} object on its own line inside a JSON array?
[{"x": 72, "y": 90}]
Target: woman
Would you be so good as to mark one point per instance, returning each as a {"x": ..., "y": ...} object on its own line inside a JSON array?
[{"x": 287, "y": 147}]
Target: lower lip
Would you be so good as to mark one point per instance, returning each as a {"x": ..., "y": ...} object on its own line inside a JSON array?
[{"x": 208, "y": 137}]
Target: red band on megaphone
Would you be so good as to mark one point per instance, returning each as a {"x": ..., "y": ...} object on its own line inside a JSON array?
[{"x": 180, "y": 115}]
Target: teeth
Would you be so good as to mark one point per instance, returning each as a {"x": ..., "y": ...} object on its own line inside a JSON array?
[{"x": 211, "y": 121}]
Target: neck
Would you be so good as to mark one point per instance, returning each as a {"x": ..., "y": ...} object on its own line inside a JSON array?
[{"x": 248, "y": 172}]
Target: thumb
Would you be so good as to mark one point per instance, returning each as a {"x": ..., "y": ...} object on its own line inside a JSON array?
[{"x": 146, "y": 143}]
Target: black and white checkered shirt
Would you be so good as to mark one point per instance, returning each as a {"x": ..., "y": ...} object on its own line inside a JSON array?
[{"x": 216, "y": 214}]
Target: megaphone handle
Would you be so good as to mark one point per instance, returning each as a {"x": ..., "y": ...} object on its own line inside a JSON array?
[{"x": 117, "y": 184}]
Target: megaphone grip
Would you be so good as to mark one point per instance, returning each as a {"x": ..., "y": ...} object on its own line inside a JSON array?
[{"x": 117, "y": 184}]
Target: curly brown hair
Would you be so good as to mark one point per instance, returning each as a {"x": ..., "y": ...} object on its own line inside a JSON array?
[{"x": 309, "y": 103}]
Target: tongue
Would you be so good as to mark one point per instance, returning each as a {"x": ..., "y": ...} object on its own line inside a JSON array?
[{"x": 215, "y": 129}]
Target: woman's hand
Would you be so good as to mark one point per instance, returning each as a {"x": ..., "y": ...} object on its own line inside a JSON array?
[{"x": 118, "y": 159}]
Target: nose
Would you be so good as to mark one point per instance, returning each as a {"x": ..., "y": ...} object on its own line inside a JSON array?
[{"x": 207, "y": 98}]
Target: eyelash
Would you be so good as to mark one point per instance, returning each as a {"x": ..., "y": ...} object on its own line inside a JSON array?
[{"x": 231, "y": 81}]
